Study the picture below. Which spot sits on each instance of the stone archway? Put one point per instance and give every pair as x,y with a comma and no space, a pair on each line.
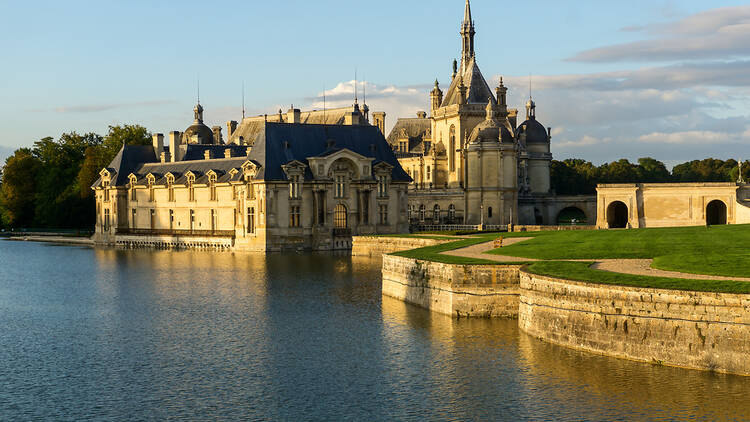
571,216
716,213
617,215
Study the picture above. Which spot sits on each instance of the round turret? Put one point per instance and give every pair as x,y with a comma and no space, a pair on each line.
204,133
490,130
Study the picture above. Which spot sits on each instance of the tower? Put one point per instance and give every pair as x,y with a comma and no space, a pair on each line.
436,97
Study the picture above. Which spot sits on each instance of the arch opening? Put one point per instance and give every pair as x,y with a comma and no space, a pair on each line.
617,215
716,213
572,216
339,216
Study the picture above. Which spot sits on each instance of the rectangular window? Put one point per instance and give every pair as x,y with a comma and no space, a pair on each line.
132,194
106,219
191,193
213,220
150,192
234,192
294,216
383,214
105,186
171,219
366,208
251,220
295,190
213,191
192,219
153,219
340,190
133,224
171,193
382,186
250,191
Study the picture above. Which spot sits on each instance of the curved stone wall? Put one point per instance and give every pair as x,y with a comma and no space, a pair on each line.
709,331
458,290
378,245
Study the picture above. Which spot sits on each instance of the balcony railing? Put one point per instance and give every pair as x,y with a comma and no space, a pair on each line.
168,232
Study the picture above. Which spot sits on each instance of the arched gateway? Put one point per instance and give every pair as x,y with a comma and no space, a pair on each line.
617,215
716,213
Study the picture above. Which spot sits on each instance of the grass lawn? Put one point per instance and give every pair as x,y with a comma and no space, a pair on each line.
720,250
432,253
581,271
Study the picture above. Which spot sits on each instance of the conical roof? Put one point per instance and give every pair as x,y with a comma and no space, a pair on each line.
477,90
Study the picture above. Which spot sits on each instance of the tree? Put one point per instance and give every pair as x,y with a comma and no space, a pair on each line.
652,171
18,190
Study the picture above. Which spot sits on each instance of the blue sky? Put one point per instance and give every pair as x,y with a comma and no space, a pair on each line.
614,79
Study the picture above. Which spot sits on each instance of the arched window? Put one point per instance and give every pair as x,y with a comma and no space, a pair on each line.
421,212
489,212
170,187
339,216
452,148
191,189
151,180
436,213
451,213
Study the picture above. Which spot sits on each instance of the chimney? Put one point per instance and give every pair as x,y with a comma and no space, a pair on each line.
228,153
231,127
158,142
421,115
208,154
379,120
293,115
217,135
174,146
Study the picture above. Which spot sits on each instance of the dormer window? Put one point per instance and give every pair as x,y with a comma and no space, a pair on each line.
150,188
382,186
295,186
170,187
191,188
212,186
105,187
133,181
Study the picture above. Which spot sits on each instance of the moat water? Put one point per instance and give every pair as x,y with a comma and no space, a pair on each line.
101,334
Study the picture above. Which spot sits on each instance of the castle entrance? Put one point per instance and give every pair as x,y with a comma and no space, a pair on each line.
716,213
617,215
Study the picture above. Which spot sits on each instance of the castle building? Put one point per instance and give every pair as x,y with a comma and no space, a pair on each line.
471,162
294,185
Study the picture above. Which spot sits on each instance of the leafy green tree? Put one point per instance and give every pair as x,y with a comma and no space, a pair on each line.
19,187
652,171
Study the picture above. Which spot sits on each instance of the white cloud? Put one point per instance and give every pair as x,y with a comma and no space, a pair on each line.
586,140
688,137
95,108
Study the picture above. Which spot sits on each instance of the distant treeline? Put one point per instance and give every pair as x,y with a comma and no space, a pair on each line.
49,185
575,176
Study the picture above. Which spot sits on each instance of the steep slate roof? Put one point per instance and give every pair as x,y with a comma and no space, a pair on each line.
416,130
279,144
128,159
199,167
477,90
251,127
197,151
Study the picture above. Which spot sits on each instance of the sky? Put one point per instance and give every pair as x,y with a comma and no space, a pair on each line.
665,79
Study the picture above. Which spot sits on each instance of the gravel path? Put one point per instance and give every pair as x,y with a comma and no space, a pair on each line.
624,266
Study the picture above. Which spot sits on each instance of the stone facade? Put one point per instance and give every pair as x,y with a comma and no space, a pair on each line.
471,162
457,290
298,187
708,331
641,205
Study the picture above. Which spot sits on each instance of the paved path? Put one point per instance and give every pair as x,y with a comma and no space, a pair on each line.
624,266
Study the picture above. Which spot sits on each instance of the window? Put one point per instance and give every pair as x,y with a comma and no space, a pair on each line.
214,223
436,213
106,219
295,189
151,190
250,191
365,208
132,193
212,186
294,215
383,186
340,191
421,212
339,216
153,219
192,219
170,188
234,192
429,178
171,219
105,186
402,146
251,220
191,189
451,213
383,214
489,212
427,145
134,220
452,149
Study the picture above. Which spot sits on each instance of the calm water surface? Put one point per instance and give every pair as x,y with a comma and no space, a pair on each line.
98,334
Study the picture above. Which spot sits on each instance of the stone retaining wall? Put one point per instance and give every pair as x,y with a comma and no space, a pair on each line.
174,242
458,290
698,330
378,245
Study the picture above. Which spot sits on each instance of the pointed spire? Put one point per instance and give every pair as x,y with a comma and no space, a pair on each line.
467,13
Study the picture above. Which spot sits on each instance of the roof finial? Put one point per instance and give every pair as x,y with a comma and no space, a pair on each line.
467,13
243,100
355,85
199,88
